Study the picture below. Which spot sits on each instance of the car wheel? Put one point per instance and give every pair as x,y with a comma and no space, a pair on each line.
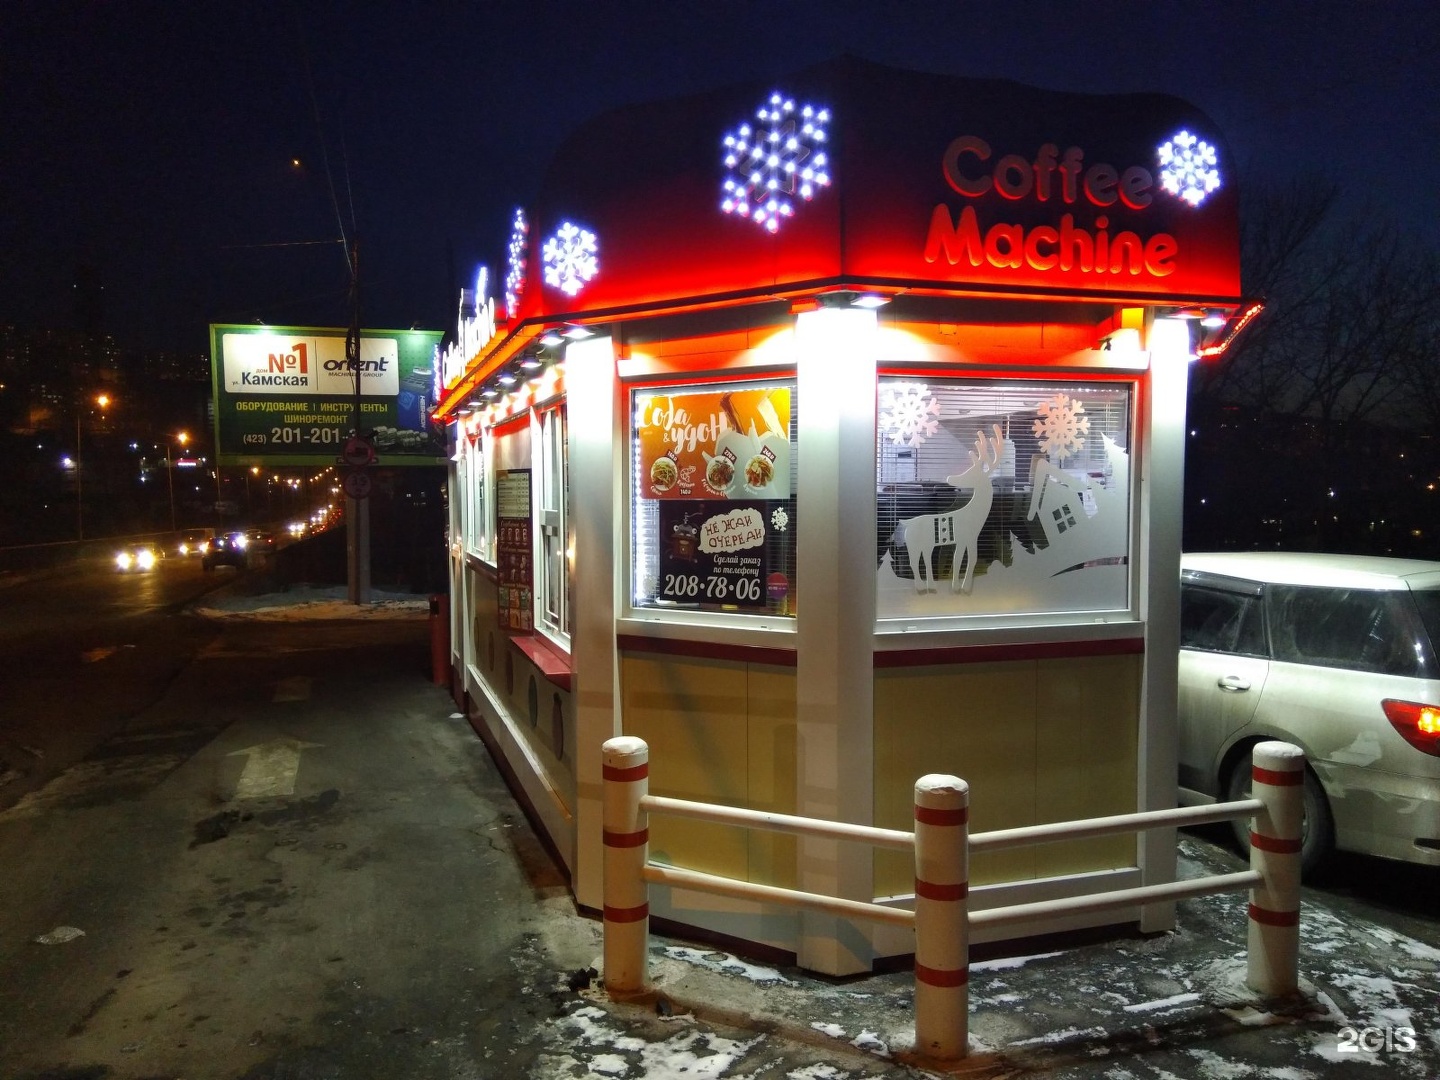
1317,830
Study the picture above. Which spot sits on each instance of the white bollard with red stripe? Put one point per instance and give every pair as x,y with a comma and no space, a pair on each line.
625,770
942,929
1278,781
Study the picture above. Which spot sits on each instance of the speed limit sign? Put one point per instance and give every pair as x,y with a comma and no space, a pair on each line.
357,483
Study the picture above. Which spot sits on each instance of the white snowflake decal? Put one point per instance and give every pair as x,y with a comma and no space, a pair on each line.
908,413
779,519
1061,427
515,260
571,258
1188,168
782,155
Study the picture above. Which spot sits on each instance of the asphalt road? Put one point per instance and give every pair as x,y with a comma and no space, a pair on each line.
84,649
293,860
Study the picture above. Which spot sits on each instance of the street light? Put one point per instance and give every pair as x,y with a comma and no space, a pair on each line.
182,438
249,504
102,400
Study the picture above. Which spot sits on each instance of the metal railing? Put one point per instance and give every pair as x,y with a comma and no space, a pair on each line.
941,845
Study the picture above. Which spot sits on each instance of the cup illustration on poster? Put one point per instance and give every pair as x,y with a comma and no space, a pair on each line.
732,444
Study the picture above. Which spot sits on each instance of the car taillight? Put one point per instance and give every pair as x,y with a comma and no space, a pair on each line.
1418,724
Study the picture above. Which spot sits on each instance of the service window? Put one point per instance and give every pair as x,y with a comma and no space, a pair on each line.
1001,497
712,497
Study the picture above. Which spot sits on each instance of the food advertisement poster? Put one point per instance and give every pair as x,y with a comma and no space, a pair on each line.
713,553
730,444
513,552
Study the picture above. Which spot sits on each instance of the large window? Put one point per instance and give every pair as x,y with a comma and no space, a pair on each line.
1001,497
470,476
553,521
712,484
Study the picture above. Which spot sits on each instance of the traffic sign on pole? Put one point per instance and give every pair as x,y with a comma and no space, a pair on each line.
357,483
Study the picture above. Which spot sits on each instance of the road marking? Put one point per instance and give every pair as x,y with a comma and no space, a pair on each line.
271,768
93,656
295,688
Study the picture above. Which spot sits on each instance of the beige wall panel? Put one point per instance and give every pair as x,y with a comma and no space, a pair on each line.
771,702
693,714
1088,719
977,722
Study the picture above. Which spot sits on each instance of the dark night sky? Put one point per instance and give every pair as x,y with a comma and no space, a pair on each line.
153,141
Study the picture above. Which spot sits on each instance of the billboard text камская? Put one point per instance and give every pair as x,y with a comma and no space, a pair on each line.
285,395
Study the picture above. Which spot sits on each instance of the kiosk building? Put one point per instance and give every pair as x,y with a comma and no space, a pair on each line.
827,433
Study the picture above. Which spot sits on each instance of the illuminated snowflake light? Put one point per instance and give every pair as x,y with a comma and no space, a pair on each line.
1061,428
519,251
1188,168
908,413
571,258
782,155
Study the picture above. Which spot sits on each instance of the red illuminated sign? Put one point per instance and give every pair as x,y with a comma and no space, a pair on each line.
936,184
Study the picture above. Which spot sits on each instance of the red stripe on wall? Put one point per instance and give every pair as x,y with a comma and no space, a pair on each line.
1026,650
710,650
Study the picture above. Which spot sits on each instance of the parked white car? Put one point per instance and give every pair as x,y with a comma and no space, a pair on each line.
1337,654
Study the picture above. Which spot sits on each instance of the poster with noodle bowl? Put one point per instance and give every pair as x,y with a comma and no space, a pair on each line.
715,444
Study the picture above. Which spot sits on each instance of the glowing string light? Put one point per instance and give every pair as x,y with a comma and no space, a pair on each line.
782,155
1188,168
519,251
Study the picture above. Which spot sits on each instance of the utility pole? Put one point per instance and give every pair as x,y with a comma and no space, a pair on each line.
357,503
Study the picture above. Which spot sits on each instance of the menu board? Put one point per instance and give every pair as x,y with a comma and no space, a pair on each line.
513,551
715,444
713,553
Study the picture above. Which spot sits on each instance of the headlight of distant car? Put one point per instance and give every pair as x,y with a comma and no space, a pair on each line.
136,559
239,540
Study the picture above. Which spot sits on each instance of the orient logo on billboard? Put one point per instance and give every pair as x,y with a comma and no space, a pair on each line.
268,364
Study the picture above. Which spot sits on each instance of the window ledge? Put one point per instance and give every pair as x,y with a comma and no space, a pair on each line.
553,662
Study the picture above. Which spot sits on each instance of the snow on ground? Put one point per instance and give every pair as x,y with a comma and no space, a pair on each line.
727,964
304,602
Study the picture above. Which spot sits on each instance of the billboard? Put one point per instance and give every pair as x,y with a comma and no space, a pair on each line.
285,395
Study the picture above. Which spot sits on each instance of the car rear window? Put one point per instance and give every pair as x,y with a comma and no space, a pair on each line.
1427,601
1357,629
